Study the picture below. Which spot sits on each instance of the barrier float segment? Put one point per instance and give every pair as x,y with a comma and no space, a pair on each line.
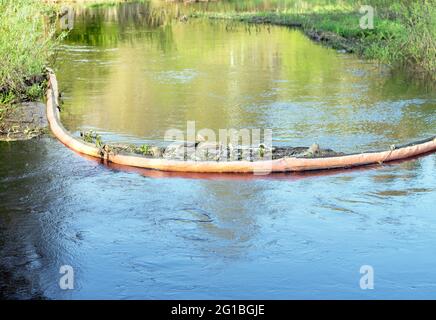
287,164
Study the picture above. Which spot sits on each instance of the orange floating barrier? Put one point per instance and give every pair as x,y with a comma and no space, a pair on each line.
287,164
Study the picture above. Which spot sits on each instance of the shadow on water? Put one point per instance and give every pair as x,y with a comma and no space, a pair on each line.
26,196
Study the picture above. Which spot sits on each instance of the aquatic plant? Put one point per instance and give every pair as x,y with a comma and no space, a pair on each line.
92,137
261,150
144,149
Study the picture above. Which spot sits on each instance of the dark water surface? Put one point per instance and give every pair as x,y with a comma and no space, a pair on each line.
145,234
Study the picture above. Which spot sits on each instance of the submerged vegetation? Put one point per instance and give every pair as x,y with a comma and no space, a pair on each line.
404,32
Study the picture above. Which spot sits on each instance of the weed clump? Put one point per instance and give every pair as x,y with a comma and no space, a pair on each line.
27,43
92,137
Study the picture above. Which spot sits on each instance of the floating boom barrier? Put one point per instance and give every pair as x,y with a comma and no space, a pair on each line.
285,164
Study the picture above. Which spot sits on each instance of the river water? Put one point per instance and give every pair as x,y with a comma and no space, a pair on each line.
130,73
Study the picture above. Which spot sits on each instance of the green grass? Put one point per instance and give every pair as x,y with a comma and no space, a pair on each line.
414,44
404,33
27,43
106,4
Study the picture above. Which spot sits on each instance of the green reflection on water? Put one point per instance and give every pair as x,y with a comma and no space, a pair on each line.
134,71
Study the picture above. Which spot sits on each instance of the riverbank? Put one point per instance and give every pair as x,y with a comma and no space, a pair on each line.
23,121
403,36
24,59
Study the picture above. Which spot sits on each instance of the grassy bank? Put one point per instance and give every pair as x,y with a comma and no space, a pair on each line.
27,42
404,33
